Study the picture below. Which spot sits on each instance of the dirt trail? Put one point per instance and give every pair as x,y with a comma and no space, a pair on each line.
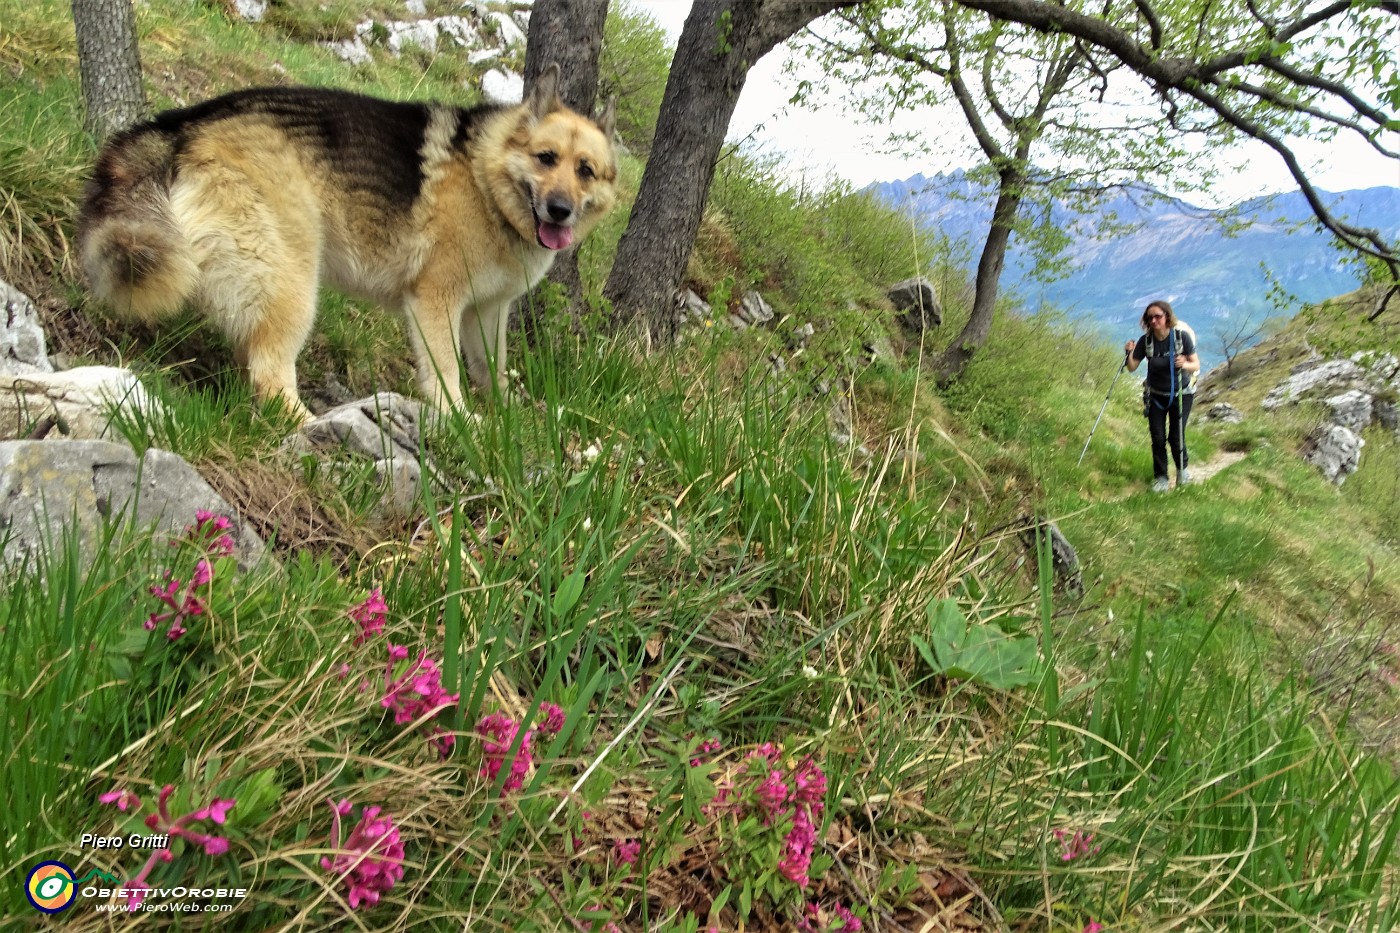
1200,472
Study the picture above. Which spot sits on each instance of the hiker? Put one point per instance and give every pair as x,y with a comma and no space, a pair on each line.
1172,364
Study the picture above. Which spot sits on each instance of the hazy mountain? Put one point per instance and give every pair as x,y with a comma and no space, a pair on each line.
1176,251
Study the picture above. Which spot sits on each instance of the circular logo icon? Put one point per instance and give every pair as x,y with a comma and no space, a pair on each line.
51,887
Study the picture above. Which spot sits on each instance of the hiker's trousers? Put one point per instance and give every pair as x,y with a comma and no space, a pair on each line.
1168,426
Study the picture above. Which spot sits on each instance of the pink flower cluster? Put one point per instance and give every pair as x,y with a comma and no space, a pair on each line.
418,693
781,797
182,599
813,921
414,693
1074,845
500,732
370,616
371,860
1094,927
177,827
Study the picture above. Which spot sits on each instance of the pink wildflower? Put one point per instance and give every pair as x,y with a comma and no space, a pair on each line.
211,532
418,694
123,798
850,923
626,851
370,616
174,826
809,785
216,811
552,719
772,793
769,752
704,752
1093,927
797,849
501,731
1075,845
371,860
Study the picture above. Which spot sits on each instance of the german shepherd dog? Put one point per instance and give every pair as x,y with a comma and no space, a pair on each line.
247,203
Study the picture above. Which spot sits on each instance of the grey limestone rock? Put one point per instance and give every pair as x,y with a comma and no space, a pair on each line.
386,429
22,347
52,488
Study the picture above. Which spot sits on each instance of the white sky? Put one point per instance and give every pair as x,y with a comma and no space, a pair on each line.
819,144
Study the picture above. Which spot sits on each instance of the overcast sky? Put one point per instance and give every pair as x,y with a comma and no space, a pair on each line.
829,142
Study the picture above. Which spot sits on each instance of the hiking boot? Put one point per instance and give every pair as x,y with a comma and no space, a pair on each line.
1183,477
1161,484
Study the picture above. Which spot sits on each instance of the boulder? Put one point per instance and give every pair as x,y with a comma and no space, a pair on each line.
916,304
385,429
22,349
1335,450
753,311
77,402
1064,559
1224,413
1313,375
1352,409
692,309
49,488
503,87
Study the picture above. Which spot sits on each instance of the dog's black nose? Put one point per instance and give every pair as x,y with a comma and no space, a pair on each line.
558,209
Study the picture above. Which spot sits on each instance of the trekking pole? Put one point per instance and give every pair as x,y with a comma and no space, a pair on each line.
1121,366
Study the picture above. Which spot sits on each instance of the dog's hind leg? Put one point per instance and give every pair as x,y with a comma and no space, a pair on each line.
269,349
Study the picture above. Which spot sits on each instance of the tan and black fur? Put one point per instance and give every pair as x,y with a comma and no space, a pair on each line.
247,203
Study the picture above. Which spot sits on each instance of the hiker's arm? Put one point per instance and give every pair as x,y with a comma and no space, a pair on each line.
1188,363
1132,360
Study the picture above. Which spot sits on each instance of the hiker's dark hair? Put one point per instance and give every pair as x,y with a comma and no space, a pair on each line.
1166,309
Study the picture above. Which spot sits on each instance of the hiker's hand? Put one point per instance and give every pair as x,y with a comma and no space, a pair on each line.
1181,361
1128,347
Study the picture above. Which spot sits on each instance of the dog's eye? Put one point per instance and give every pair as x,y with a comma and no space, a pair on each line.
547,158
585,171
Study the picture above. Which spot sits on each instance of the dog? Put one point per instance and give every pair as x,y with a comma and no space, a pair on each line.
246,204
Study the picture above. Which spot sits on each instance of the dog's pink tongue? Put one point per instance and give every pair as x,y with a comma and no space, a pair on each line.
553,236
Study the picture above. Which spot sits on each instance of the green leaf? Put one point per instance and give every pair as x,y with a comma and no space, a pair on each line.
567,596
979,653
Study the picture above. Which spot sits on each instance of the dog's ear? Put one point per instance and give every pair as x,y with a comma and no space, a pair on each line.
608,121
543,98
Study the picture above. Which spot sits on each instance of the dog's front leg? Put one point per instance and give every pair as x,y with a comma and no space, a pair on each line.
484,345
431,320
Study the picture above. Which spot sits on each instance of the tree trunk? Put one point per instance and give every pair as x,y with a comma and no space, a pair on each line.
720,41
110,65
568,33
951,363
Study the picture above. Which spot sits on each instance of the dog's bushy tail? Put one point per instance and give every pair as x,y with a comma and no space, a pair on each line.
136,258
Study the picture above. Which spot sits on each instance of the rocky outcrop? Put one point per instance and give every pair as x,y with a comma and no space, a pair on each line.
75,403
916,304
1223,413
1357,393
1335,450
53,489
22,345
36,401
486,32
386,430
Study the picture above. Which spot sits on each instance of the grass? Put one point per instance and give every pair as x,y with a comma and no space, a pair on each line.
673,548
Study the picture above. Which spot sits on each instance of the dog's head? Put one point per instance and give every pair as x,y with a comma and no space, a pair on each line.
563,165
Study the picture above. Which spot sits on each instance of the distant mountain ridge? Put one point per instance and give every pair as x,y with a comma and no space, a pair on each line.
1180,252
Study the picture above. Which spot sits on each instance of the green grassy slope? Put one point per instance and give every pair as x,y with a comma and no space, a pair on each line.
675,551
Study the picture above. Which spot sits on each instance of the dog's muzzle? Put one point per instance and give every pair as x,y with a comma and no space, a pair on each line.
554,224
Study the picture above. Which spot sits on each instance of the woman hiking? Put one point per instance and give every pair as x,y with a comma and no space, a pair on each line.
1170,351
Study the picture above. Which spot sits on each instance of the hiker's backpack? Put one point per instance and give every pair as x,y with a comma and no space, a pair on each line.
1181,327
